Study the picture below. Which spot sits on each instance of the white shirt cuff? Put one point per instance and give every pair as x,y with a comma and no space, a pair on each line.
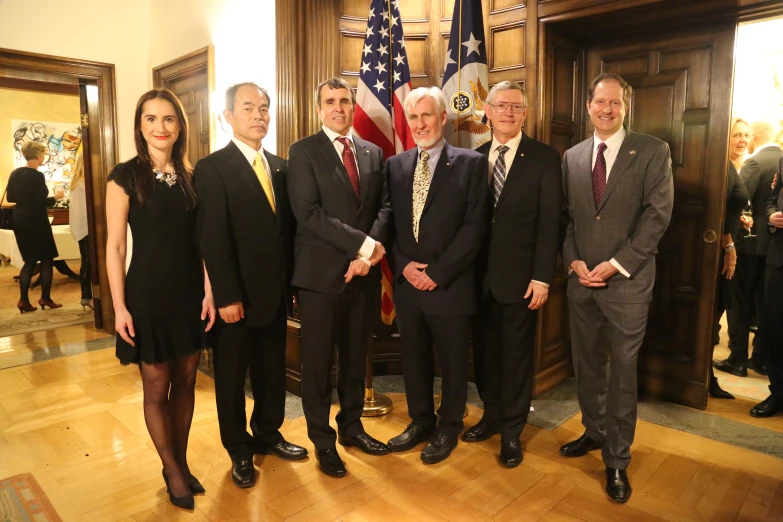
539,282
619,267
368,247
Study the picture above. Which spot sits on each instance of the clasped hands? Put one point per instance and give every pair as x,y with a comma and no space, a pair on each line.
360,267
415,274
595,278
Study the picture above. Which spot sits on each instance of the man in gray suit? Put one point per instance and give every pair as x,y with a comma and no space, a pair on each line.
619,197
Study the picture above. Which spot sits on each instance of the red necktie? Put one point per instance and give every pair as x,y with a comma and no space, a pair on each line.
349,161
599,175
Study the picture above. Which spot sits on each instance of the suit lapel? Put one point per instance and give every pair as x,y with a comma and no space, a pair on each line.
514,173
625,157
334,163
442,169
365,169
240,164
409,159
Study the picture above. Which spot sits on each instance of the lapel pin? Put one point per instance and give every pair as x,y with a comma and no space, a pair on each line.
522,155
632,152
447,164
366,151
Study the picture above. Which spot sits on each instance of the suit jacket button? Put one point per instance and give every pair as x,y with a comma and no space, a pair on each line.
598,218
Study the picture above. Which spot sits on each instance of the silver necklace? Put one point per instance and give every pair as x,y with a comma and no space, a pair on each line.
169,177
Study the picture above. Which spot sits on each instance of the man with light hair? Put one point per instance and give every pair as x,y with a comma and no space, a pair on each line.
748,294
516,267
438,196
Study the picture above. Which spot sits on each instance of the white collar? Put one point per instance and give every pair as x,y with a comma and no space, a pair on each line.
247,151
332,135
613,142
512,144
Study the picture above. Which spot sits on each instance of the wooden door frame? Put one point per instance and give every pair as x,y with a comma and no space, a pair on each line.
544,94
187,65
20,66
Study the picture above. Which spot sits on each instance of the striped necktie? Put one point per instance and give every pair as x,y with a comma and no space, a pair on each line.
499,172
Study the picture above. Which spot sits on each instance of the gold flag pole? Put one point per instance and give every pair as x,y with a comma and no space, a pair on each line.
377,405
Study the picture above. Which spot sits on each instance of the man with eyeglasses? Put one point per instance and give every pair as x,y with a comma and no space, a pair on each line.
516,267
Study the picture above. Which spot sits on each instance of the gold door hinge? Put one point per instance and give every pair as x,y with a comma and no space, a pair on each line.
85,121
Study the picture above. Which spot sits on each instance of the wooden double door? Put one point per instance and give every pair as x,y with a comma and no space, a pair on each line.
681,93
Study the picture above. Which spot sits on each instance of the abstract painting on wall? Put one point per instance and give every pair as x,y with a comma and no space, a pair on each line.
61,141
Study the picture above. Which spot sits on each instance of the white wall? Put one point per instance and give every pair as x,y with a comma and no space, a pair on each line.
99,30
138,35
242,33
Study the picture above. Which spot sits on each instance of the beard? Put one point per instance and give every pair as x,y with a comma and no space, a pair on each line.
429,141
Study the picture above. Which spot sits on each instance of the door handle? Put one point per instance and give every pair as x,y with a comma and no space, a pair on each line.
709,236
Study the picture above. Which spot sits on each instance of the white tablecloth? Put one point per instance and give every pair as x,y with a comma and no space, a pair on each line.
67,246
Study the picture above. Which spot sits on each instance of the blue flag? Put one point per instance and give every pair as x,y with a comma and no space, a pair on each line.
465,79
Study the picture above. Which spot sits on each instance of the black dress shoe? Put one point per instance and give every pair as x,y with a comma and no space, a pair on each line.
283,449
580,447
759,368
481,431
617,486
729,367
365,443
438,449
716,392
510,452
413,435
243,473
330,462
767,408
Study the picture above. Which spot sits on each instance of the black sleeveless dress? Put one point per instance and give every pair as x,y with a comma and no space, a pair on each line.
164,286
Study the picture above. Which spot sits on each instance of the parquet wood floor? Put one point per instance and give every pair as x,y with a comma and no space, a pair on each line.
76,423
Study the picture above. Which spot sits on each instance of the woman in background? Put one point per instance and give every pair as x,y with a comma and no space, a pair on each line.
32,230
738,142
77,217
161,303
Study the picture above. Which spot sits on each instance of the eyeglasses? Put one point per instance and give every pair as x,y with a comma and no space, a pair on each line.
517,108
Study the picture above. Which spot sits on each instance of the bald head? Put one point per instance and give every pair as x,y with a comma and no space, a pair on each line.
763,134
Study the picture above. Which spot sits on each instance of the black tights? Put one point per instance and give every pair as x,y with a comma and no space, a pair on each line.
169,396
26,275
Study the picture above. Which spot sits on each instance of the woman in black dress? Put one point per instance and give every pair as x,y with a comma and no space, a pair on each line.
160,304
736,199
33,233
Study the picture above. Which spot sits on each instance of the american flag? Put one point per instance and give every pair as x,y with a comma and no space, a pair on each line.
384,82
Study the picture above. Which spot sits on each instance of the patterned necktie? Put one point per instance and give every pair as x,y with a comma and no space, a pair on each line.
599,175
263,177
349,161
499,172
421,185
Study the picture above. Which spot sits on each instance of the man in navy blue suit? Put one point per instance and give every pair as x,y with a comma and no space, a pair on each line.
438,197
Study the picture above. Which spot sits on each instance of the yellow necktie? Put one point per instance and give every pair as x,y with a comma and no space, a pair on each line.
263,177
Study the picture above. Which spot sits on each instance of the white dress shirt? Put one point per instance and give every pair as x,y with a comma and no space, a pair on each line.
250,155
368,247
511,153
613,144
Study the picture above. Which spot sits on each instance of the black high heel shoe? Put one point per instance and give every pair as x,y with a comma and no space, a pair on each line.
193,484
184,502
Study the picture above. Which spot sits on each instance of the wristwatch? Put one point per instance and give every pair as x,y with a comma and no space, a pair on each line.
728,247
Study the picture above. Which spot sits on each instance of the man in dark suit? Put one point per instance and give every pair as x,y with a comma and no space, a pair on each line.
517,266
619,197
748,288
439,196
336,187
245,231
773,404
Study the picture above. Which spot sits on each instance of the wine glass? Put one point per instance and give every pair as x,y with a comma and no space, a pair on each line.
749,214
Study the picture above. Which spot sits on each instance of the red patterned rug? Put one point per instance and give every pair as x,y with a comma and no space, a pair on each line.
23,500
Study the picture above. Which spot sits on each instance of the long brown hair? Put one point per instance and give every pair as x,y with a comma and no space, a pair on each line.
144,177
